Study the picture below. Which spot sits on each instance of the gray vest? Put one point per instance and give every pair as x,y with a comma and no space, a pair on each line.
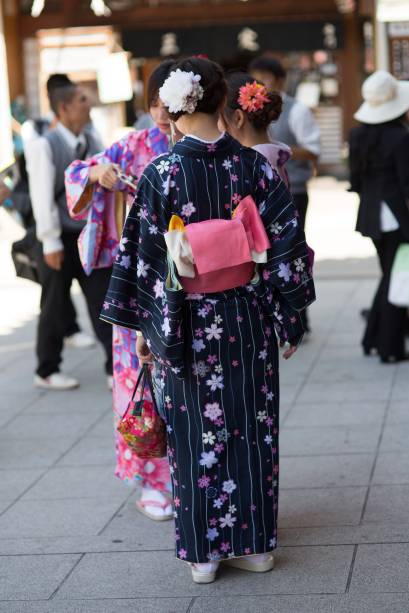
63,156
299,172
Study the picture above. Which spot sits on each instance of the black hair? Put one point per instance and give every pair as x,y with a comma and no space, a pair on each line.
156,80
268,64
212,80
60,89
260,119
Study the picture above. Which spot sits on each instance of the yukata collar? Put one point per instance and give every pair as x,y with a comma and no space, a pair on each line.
191,146
157,141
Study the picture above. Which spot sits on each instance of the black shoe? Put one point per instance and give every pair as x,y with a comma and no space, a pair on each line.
392,359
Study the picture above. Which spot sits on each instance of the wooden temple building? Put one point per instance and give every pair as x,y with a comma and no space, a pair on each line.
327,46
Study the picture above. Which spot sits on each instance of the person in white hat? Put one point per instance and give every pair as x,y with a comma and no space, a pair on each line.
379,168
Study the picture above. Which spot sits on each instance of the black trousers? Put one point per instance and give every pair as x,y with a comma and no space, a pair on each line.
301,204
70,318
386,325
56,306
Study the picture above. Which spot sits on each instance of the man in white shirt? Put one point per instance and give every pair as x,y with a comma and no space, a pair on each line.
58,263
32,129
297,128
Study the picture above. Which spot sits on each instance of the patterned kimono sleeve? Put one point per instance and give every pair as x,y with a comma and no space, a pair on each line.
287,274
77,177
139,297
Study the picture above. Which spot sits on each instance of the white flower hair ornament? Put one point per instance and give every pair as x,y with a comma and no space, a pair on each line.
181,91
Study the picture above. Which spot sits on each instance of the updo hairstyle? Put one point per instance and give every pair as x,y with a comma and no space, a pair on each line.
260,119
212,80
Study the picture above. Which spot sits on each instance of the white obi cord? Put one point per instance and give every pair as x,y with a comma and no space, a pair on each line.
181,252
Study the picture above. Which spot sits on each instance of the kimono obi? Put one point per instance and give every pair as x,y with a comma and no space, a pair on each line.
218,254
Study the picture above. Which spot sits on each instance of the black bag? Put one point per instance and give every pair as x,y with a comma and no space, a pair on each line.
23,256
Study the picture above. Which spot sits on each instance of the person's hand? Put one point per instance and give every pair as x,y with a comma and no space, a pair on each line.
142,351
289,352
4,192
55,259
104,174
300,154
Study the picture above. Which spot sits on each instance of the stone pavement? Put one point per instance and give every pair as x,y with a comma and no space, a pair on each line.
71,540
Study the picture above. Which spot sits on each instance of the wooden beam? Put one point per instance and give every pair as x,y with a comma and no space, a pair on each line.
367,8
180,15
13,42
70,8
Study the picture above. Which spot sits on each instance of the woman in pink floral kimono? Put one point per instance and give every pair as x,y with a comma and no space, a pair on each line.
95,193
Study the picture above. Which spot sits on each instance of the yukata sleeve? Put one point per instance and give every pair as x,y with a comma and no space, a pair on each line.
140,296
80,193
287,274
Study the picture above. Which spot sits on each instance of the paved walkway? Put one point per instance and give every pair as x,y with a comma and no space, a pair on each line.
72,542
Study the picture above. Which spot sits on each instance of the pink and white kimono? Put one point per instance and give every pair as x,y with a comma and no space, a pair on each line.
98,246
278,155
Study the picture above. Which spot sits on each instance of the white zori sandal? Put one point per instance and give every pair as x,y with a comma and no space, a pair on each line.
155,505
204,573
258,563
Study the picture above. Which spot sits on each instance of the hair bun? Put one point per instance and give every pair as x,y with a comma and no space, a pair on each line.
275,106
260,118
212,82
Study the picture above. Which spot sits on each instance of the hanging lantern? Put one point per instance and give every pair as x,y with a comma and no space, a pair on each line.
346,6
100,8
97,6
37,8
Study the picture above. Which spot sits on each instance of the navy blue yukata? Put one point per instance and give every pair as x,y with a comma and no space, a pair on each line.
218,372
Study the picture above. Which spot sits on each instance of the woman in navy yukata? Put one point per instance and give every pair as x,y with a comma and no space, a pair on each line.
217,350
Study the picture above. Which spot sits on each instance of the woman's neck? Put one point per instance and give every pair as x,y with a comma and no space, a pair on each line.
201,125
252,137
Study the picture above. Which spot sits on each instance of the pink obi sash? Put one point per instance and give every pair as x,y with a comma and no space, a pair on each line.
220,280
218,254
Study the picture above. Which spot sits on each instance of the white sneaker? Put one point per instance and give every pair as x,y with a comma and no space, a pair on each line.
79,340
110,382
56,381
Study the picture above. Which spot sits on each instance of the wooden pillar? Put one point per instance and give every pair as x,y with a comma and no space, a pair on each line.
11,22
6,142
352,72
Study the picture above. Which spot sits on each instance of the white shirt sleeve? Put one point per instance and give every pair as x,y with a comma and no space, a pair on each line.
41,176
305,128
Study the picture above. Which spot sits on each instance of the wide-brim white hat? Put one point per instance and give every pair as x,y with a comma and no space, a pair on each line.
385,98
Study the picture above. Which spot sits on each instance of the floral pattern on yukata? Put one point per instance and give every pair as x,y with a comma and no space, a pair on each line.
99,245
222,411
278,155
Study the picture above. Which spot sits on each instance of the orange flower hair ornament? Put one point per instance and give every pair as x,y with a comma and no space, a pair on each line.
253,97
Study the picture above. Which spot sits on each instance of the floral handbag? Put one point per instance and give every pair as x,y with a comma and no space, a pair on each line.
142,428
